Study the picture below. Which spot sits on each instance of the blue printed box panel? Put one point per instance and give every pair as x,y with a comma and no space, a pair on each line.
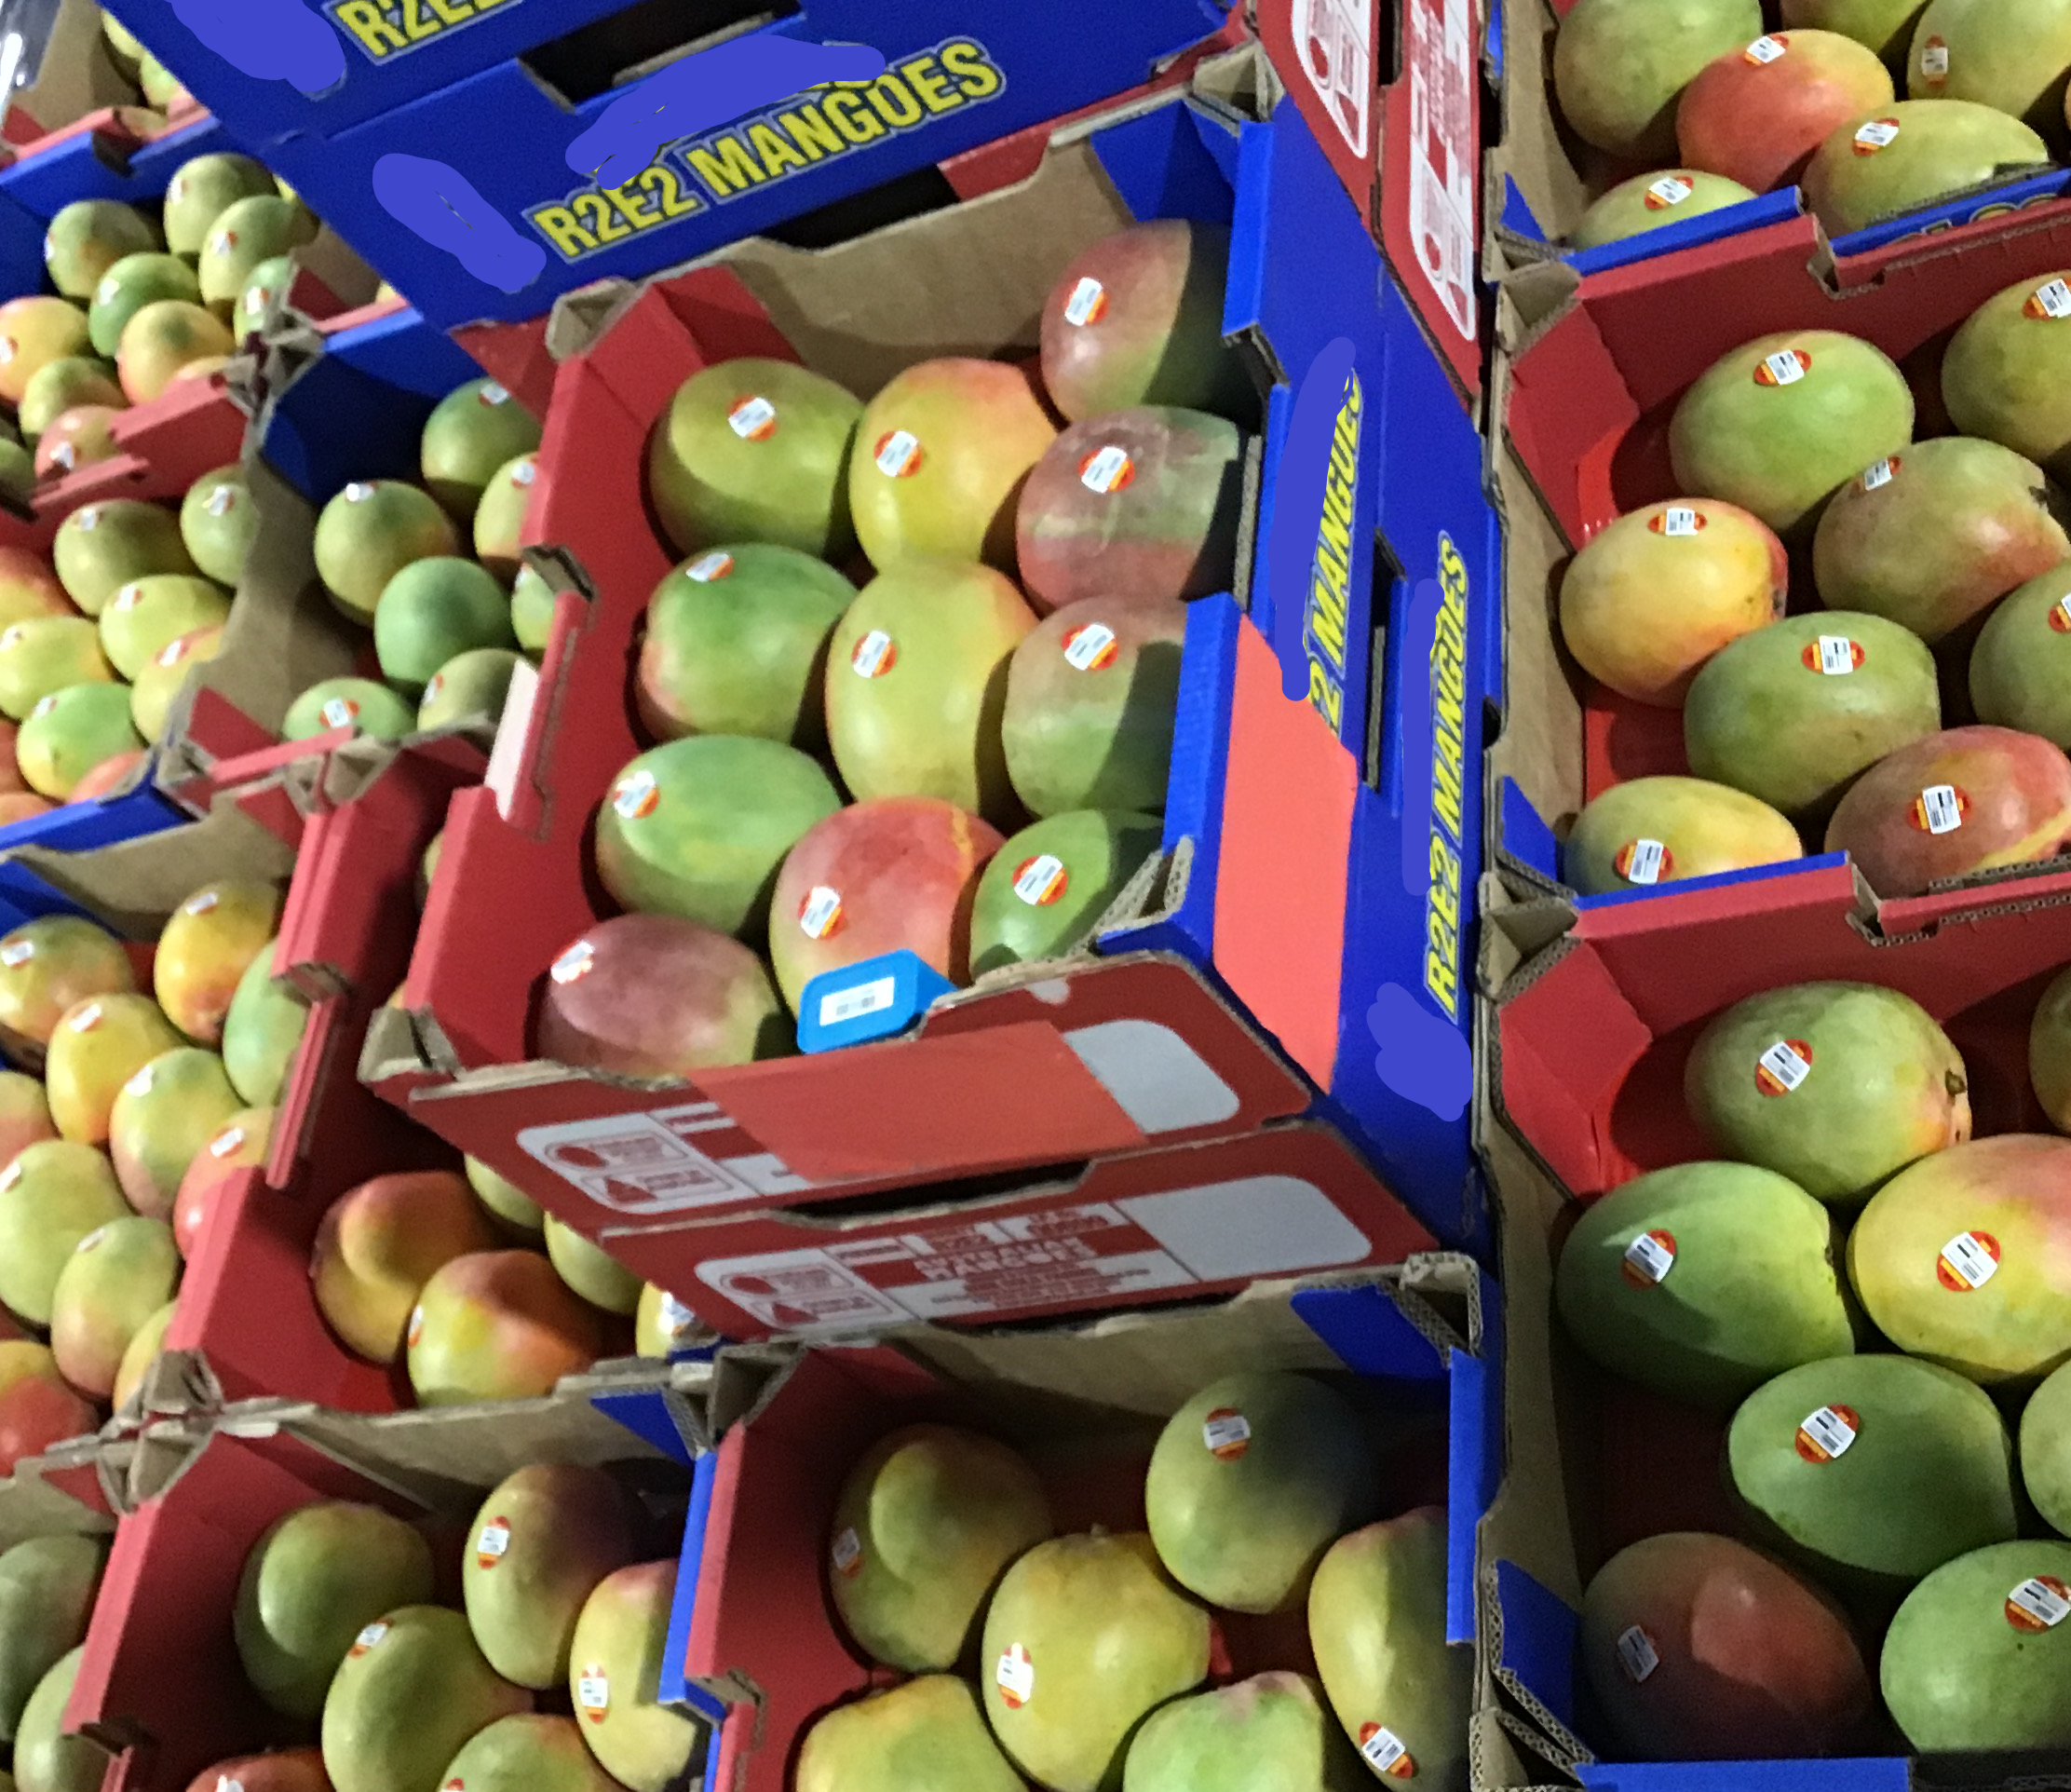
489,199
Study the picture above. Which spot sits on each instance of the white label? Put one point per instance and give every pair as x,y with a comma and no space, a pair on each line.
1440,58
1940,808
106,292
896,453
1088,643
220,501
226,1141
1670,190
1764,50
751,418
1831,1430
1878,477
1783,1062
2053,300
358,492
17,953
1680,519
89,518
128,597
1836,655
1108,468
854,1003
141,1083
494,394
370,1635
1224,1431
1649,1258
201,902
822,909
1934,61
1086,302
1041,881
1879,133
45,704
706,567
573,963
847,1550
1015,1676
1785,368
593,1691
1644,864
1383,1749
63,454
339,711
86,1019
1968,1260
524,473
636,795
493,1539
870,654
2040,1601
676,1318
1637,1655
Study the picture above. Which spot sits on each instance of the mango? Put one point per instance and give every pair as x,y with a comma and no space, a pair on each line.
2050,1051
52,1195
1619,65
281,1770
1652,830
615,1667
754,450
29,585
737,643
201,190
24,1115
369,533
1758,116
45,1757
1782,423
927,1735
498,1326
940,455
89,237
206,947
1897,159
99,1045
101,548
1835,1085
380,1242
1084,1639
697,828
1698,1648
147,614
896,873
1251,1481
433,609
261,1031
1377,1621
46,654
1975,1657
469,689
2022,653
46,1591
48,966
471,432
526,1751
161,339
2003,376
34,331
1793,713
71,731
1951,804
1885,26
38,1407
498,527
248,232
146,1344
61,385
1655,594
504,1198
2016,62
162,1119
242,1142
542,1541
218,524
531,618
412,1688
358,703
115,1279
1958,1259
75,438
1272,1731
590,1271
663,1325
926,1523
1653,201
314,1581
2044,1451
129,285
1049,886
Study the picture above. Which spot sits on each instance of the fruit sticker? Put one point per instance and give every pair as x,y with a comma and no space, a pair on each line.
1106,470
358,492
220,501
1226,1433
1783,1066
141,1083
223,242
84,1020
1766,50
1643,862
45,704
226,1141
578,962
2053,301
1940,808
898,454
1833,656
11,636
416,1328
1637,1656
438,684
1934,61
1968,1261
173,652
10,1175
368,1637
874,656
1826,1434
491,394
1878,133
17,953
1874,479
1089,648
821,912
2042,1603
1086,303
1041,881
63,456
92,1241
1786,367
339,713
524,473
2059,617
89,518
1679,521
1648,1259
1386,1752
1670,190
636,795
752,419
493,1543
706,567
1014,1674
676,1318
847,1553
593,1692
106,292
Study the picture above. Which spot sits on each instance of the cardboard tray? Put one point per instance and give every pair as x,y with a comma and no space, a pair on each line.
756,1645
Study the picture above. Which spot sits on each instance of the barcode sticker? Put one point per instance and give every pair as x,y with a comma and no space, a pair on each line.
1014,1674
1786,1065
1226,1433
2043,1603
1786,368
1838,656
854,1003
2053,300
1644,860
1764,50
1941,811
1651,1256
1636,1654
1087,301
1827,1433
1968,1261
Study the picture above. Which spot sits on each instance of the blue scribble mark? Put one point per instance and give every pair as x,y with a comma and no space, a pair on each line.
269,40
1298,506
1423,1058
1413,729
697,93
440,204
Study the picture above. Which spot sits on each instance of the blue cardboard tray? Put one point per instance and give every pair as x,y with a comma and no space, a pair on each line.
75,827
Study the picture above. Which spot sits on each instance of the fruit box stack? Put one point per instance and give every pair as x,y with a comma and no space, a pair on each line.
1884,120
1324,918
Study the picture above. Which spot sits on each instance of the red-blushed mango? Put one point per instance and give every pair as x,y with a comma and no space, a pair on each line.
47,1756
1792,713
89,237
47,1592
29,586
282,1769
1756,113
261,1031
1702,1281
526,1751
1699,1647
205,948
657,996
540,1543
1782,423
51,1196
1654,831
1885,26
101,548
115,1279
926,1523
109,773
1655,594
2044,1451
2050,1051
148,614
1084,1639
2015,60
1137,319
1899,157
1835,1085
1142,503
369,532
737,643
24,1115
96,1048
163,1118
34,333
164,336
498,1326
1936,535
1653,201
139,1354
69,733
1962,801
379,1243
504,1201
241,1142
2007,374
409,1694
1050,883
1092,692
590,1270
916,684
898,874
75,438
1962,1259
1252,1480
1619,65
498,529
24,805
46,654
615,1666
476,428
940,455
48,966
927,1735
755,450
317,1577
1273,1731
2021,665
11,782
38,1407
